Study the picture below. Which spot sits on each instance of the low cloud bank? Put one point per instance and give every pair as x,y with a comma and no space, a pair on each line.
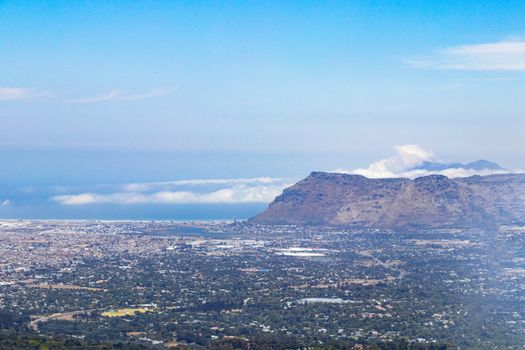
167,185
211,191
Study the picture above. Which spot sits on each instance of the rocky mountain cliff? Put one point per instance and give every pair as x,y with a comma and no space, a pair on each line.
429,201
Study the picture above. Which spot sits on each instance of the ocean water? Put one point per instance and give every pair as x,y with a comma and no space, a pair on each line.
49,211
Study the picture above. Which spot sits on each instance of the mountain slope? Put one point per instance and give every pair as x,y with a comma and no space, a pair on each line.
430,201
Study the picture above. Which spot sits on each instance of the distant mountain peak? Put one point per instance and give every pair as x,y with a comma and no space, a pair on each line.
478,165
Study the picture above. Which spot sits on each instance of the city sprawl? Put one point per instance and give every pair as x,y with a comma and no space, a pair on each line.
168,284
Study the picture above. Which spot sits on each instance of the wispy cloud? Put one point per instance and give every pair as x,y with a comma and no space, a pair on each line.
244,190
116,95
449,87
496,56
16,93
166,185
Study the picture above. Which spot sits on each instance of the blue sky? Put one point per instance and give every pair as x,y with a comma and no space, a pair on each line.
120,92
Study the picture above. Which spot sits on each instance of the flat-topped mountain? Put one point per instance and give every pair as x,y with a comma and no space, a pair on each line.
429,201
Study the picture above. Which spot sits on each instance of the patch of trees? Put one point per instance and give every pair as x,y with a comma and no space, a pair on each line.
282,342
12,341
10,320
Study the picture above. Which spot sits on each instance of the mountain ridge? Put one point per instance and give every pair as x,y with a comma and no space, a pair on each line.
431,201
477,165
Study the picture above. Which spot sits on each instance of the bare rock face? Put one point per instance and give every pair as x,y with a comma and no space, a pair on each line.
429,201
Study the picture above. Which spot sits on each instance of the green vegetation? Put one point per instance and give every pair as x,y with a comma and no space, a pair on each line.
13,341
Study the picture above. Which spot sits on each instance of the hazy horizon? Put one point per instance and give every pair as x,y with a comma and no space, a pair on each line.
97,98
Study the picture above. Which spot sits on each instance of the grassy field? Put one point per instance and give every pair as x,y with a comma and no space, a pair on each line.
125,312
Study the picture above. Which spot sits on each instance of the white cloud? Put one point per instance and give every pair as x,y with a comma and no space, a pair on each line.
13,93
405,162
116,95
6,203
151,186
496,56
193,191
260,194
407,157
